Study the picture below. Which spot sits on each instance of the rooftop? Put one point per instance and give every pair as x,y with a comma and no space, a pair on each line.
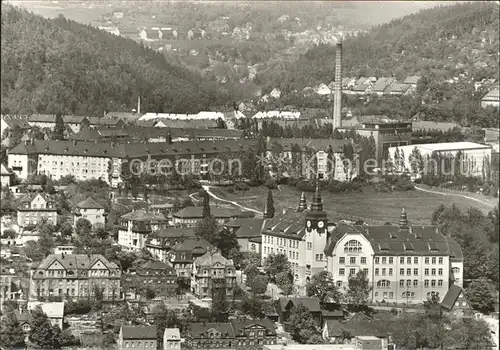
247,227
139,332
89,203
143,215
450,146
197,212
76,261
51,309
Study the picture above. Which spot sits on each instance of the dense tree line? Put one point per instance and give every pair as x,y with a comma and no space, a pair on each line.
58,65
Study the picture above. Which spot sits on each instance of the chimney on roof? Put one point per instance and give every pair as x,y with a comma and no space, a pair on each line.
302,203
337,93
403,220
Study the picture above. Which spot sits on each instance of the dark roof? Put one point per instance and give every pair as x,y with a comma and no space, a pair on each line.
382,84
196,330
197,212
155,265
89,203
360,327
239,325
428,125
76,261
139,332
24,317
143,215
397,87
451,297
190,244
316,144
174,232
289,224
13,122
255,239
51,118
456,254
312,304
29,197
247,227
412,79
173,123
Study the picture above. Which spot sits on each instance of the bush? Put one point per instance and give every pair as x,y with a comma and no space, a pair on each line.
9,233
271,184
403,185
241,186
418,181
80,307
305,186
254,183
230,189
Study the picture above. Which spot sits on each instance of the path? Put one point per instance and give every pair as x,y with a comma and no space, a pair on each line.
489,205
207,189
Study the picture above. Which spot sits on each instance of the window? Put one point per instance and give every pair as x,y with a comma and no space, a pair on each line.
426,272
383,272
440,272
341,272
391,295
339,284
441,261
376,272
433,272
365,271
390,272
363,260
433,260
352,272
455,270
408,283
415,283
377,260
415,272
391,260
408,272
426,260
401,283
401,260
433,283
402,272
408,295
426,283
415,260
440,283
342,260
383,284
408,260
384,260
353,246
352,260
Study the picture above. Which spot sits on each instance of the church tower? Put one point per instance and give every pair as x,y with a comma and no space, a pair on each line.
302,203
316,218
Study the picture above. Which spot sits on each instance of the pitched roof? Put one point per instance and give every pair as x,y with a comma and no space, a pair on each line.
288,224
51,118
139,332
247,227
171,334
197,212
51,309
213,257
24,317
316,144
428,125
241,324
155,265
3,170
312,304
76,261
451,297
493,94
360,327
17,122
174,232
412,79
456,254
397,87
191,244
197,330
144,215
382,84
89,203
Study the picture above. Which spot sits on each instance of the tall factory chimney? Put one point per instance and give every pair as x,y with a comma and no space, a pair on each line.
337,96
139,105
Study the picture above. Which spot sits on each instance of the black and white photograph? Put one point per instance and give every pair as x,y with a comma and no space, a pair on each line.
249,175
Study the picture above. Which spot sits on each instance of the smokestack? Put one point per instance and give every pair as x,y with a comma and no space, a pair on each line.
139,105
337,96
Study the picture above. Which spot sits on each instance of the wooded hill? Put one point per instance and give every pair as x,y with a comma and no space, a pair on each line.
440,42
58,65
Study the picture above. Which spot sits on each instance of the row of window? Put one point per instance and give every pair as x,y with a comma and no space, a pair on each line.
352,260
138,344
414,283
291,243
291,254
408,260
352,272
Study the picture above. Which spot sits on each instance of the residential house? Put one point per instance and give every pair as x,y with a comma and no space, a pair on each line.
398,89
213,273
10,123
64,249
171,339
412,80
287,115
155,275
75,276
24,319
404,263
275,93
183,255
49,121
137,337
347,83
136,226
491,99
53,310
190,216
360,89
456,304
90,210
245,229
36,207
381,85
285,306
253,334
322,89
5,176
10,286
160,242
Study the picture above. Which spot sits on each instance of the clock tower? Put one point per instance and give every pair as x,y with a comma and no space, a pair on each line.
316,219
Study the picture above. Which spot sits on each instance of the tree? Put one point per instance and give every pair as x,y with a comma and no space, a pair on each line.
468,334
41,332
275,264
270,204
227,242
251,271
359,289
323,287
206,204
150,293
253,306
12,333
49,186
59,127
83,226
480,296
219,304
66,338
207,228
165,318
258,284
302,325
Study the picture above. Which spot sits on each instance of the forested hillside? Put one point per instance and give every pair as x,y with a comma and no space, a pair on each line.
440,42
57,65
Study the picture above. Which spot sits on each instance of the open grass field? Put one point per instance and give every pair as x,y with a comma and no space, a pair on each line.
371,206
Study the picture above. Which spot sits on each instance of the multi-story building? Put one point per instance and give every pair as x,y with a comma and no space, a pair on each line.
183,255
211,273
172,339
404,263
53,310
156,275
10,286
137,337
160,242
72,121
301,235
36,207
237,334
491,99
190,216
75,276
136,226
5,176
90,210
247,230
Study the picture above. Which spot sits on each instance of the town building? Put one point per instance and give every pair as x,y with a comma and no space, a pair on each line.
246,231
158,276
212,273
404,263
137,337
12,122
456,304
136,226
5,176
183,255
75,276
24,319
171,339
35,207
53,310
64,249
160,242
285,306
10,286
491,99
386,132
90,210
311,158
476,158
74,122
190,216
301,235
